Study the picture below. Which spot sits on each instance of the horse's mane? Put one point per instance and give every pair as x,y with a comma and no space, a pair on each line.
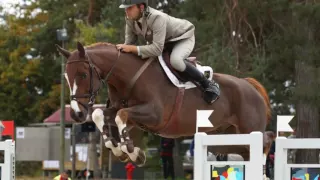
99,44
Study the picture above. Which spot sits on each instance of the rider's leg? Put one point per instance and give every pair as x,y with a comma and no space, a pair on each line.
180,52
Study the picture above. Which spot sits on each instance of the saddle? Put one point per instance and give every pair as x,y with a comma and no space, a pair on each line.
166,57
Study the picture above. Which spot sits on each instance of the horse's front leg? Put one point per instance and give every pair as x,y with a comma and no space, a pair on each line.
110,142
146,114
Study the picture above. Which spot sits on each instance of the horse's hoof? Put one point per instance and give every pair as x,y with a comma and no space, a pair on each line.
124,157
130,147
141,159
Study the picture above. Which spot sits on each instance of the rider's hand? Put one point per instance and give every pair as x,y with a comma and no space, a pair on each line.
125,48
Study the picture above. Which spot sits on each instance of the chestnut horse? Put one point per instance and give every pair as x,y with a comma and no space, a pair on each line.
141,95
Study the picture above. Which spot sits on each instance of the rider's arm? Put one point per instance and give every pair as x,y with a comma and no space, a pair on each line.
130,37
159,34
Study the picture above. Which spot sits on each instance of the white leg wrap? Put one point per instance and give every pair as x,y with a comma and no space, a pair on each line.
98,119
133,156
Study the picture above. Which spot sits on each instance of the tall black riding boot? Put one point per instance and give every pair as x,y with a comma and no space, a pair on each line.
210,88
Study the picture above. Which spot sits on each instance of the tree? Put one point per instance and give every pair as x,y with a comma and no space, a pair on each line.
306,21
273,41
29,73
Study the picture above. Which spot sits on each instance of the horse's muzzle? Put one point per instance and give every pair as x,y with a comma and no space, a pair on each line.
77,116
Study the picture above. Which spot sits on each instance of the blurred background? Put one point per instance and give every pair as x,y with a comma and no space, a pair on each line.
274,41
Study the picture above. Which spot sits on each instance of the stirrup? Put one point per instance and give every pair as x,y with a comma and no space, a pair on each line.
213,83
211,93
210,97
214,87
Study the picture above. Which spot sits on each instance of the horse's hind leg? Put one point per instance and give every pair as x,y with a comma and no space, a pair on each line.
110,142
268,138
143,114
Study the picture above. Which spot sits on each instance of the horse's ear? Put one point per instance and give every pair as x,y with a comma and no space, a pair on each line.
64,52
81,50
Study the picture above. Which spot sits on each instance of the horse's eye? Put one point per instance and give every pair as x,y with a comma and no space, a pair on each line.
82,75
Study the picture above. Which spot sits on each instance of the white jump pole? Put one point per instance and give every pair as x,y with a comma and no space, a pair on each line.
8,167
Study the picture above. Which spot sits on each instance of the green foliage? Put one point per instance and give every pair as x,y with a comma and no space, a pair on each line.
21,168
29,71
90,35
271,35
263,39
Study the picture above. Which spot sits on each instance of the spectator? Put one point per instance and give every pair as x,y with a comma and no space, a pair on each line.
63,176
166,154
191,148
83,174
270,161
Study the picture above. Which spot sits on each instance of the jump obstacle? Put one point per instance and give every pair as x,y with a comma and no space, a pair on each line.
253,168
282,168
7,162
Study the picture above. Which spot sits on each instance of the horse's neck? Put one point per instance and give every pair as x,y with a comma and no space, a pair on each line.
124,66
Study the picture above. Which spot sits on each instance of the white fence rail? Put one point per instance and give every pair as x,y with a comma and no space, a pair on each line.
282,168
253,168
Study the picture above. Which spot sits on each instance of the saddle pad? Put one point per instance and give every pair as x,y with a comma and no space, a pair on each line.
175,81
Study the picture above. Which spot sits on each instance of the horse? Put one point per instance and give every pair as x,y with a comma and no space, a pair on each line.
140,94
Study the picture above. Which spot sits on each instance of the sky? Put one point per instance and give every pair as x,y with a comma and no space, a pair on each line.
8,8
7,4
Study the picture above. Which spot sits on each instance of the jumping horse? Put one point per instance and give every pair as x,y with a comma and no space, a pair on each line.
141,95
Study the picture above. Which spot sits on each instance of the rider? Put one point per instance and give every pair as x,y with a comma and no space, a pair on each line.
159,28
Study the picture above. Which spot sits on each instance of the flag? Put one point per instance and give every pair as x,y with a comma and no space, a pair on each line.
203,118
283,124
8,129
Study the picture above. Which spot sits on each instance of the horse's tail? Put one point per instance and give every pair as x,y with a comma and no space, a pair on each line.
263,93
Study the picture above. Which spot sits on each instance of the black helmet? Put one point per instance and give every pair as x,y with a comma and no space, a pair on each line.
128,3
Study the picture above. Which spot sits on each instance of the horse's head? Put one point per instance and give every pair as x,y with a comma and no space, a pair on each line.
83,79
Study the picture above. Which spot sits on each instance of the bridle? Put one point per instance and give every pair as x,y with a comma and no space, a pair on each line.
92,93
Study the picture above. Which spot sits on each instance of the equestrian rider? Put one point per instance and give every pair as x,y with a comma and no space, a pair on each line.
159,28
